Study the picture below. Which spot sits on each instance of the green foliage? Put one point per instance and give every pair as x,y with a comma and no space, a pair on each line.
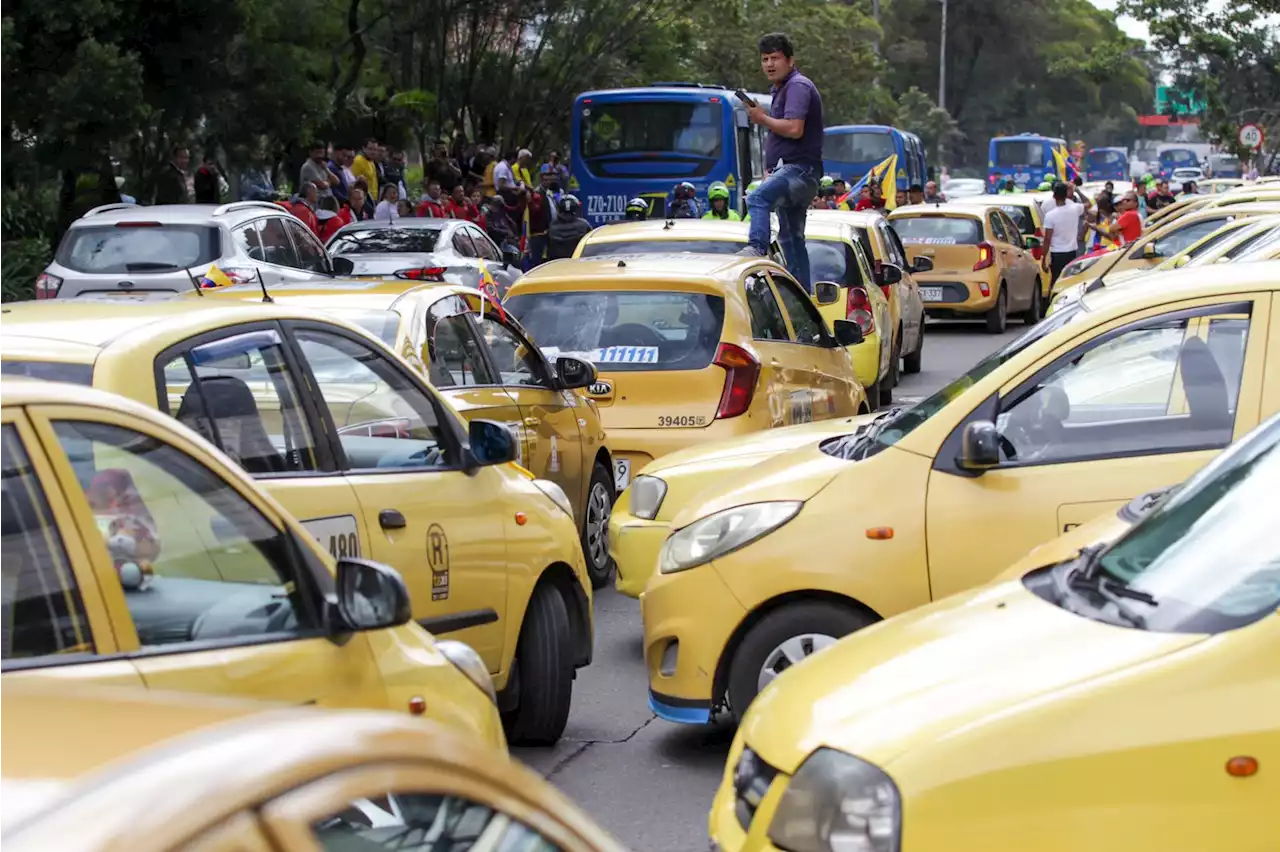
933,124
21,262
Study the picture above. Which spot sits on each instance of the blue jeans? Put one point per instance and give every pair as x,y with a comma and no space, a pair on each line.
788,191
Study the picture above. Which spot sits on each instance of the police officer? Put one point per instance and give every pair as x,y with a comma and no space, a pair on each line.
637,209
567,230
718,199
683,204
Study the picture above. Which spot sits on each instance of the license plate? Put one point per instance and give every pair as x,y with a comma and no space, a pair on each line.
621,473
931,294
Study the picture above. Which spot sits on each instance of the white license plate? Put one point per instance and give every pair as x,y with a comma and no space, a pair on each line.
621,473
931,294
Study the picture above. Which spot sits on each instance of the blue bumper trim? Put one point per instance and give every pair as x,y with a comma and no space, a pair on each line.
682,715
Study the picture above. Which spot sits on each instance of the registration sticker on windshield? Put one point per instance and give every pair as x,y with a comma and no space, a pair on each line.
626,355
929,241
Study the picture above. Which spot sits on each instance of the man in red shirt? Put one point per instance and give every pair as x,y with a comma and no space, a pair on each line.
1128,225
432,205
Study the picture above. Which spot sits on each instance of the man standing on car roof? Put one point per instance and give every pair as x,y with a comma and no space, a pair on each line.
793,153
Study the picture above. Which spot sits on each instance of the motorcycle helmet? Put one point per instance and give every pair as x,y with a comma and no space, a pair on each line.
718,190
827,181
570,205
1045,185
753,186
637,208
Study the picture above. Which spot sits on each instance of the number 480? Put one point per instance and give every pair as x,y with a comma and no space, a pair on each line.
344,545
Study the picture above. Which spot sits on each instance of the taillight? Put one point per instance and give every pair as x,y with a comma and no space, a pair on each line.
47,286
858,309
741,374
986,256
426,273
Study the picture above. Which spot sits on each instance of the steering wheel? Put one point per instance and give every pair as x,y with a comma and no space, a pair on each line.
1036,424
634,334
246,613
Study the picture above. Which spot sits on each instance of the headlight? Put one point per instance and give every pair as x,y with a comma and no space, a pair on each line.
1075,267
556,493
723,532
647,494
466,660
838,803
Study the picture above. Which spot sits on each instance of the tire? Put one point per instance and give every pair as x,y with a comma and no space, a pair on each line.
595,526
998,317
1031,315
764,641
911,362
873,395
544,666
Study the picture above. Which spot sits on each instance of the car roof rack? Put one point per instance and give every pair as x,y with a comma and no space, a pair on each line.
681,85
104,208
224,209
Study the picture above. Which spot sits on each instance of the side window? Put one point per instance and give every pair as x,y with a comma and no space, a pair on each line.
1180,238
1155,387
196,561
384,420
425,821
484,246
455,354
238,393
43,612
517,359
277,248
246,236
997,227
893,246
1011,230
462,243
805,319
310,253
766,316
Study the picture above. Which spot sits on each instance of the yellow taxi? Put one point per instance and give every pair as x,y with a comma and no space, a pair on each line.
690,348
668,236
480,359
1246,194
1126,694
1025,211
136,554
1217,186
366,455
96,769
982,265
1123,392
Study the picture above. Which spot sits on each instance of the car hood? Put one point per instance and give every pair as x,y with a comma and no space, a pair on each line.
934,672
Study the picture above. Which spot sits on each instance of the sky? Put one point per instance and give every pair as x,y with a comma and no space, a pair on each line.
1131,27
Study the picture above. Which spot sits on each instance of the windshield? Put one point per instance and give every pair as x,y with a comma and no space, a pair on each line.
1257,244
677,127
1012,153
938,230
1209,557
1179,157
381,324
614,248
138,249
1105,158
385,241
857,147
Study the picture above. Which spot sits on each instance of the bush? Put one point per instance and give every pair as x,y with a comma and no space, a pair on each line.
21,262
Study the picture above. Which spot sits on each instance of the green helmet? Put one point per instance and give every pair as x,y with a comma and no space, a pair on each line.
718,190
753,186
828,180
1148,178
1045,185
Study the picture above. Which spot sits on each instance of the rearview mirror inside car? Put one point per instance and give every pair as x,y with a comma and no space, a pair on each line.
979,447
575,373
826,293
371,595
848,333
343,266
491,443
922,264
890,273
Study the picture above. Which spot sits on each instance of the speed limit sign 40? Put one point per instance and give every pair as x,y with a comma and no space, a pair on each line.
1251,136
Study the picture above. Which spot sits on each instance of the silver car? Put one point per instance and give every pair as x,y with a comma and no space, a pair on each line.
128,249
449,250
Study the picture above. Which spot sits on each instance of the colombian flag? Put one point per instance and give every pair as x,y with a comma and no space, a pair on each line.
489,292
214,279
1067,170
882,173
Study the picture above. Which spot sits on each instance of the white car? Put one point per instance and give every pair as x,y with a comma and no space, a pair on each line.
963,187
1181,176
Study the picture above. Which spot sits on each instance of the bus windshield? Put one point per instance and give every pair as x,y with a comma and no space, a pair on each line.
1019,152
633,126
861,147
1179,157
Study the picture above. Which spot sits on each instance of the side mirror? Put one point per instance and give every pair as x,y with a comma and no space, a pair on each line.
371,595
575,373
891,273
1032,242
491,443
343,266
922,264
826,293
848,333
979,447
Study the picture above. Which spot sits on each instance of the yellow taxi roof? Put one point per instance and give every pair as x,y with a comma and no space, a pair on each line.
670,229
857,218
631,272
1188,283
827,229
948,208
377,295
1020,199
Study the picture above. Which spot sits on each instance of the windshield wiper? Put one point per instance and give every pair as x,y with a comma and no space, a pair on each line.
850,447
1081,575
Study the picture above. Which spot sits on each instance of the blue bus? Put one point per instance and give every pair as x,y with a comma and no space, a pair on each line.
850,151
1172,157
1106,164
1026,158
641,142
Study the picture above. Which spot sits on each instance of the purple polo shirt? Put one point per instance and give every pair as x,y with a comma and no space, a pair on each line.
796,97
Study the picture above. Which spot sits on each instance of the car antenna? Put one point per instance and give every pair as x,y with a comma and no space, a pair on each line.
266,297
195,283
671,223
622,264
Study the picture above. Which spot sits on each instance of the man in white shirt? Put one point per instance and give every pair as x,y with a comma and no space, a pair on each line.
504,177
1061,230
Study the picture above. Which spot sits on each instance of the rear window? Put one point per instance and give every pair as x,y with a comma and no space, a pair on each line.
50,371
614,249
863,147
138,250
832,261
1019,153
938,230
621,331
1105,158
386,241
381,324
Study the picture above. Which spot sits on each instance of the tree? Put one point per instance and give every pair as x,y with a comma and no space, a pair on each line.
934,125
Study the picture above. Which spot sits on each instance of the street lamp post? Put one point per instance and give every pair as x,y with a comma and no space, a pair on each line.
942,73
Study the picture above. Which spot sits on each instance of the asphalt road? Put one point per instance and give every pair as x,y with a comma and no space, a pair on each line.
648,782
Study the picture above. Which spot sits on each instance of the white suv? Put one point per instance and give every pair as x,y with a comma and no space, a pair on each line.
126,248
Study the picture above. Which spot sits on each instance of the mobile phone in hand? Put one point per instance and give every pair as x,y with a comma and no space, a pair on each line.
742,96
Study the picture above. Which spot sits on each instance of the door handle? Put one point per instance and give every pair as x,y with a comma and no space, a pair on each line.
391,519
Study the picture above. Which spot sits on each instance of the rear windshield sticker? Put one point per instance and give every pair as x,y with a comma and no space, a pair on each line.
609,355
930,241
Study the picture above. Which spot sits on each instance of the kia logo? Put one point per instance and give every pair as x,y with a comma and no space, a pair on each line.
600,389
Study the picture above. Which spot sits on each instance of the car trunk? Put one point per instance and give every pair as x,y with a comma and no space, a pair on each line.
134,258
948,259
387,265
660,399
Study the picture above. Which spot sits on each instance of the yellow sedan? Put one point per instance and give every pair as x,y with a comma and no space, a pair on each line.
1126,693
136,554
98,770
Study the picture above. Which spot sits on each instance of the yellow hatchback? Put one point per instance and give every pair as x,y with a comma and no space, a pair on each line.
101,770
1121,393
690,348
136,554
1127,693
482,362
366,455
667,236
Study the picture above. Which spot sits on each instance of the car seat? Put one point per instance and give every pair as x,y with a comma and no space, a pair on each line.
1204,386
231,409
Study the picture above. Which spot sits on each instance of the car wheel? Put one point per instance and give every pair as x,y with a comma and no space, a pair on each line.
544,665
781,639
911,362
1031,315
595,527
998,317
872,392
